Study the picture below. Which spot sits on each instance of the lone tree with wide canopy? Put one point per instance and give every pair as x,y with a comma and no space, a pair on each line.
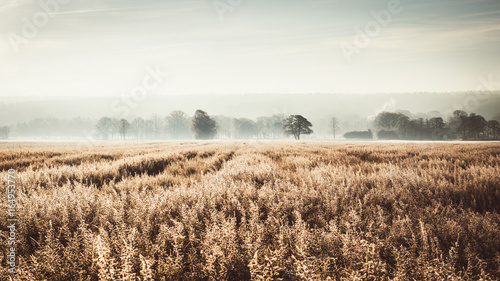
203,126
297,125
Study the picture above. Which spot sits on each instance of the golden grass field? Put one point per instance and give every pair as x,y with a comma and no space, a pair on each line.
254,211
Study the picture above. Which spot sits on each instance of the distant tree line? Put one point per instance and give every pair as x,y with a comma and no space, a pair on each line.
4,132
461,125
179,125
49,127
367,135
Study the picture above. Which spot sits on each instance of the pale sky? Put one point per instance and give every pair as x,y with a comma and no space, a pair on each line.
103,47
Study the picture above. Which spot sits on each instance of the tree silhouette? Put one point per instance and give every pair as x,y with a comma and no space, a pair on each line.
4,132
203,126
137,127
297,125
493,129
359,135
245,128
149,129
457,122
403,126
436,126
270,126
123,127
436,123
177,124
114,127
466,126
334,125
388,120
224,126
476,125
104,127
157,121
277,125
392,125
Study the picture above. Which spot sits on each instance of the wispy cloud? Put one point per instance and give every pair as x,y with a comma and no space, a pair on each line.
8,4
158,47
436,39
277,45
93,11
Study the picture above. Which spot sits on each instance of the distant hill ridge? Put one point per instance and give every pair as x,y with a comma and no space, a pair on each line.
314,106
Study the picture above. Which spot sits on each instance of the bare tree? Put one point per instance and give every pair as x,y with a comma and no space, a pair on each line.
157,125
224,125
271,126
137,127
334,126
123,128
177,124
149,129
104,126
277,125
114,127
4,132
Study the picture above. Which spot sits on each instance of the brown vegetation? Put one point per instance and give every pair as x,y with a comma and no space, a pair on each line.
255,211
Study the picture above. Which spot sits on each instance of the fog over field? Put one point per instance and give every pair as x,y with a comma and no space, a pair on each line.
351,111
67,64
313,105
348,60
